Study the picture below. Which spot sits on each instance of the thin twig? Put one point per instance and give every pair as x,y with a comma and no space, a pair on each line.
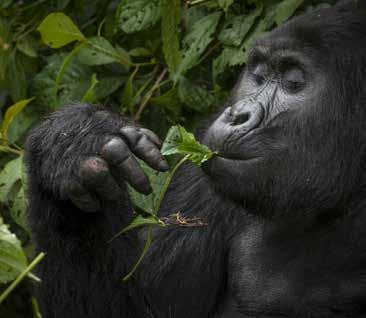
196,2
149,94
16,282
180,220
209,51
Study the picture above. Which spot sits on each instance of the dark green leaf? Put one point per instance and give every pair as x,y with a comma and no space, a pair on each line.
138,15
169,100
179,141
10,115
195,43
98,51
230,56
9,175
170,32
225,4
17,81
140,221
236,28
12,258
90,96
286,9
139,51
148,202
194,96
28,46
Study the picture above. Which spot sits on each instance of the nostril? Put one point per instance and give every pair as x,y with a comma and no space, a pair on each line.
240,118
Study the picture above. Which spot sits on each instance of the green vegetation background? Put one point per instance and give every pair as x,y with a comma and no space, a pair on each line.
161,62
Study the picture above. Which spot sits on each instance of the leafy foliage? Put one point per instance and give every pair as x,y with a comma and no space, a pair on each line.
12,256
160,61
179,141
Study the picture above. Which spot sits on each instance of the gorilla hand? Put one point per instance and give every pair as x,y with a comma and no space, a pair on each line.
85,155
116,164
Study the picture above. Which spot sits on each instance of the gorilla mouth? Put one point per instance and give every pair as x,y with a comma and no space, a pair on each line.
242,147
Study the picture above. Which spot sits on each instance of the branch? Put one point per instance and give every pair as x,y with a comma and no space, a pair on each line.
149,94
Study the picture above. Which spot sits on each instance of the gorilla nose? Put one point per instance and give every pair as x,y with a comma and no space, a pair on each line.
247,115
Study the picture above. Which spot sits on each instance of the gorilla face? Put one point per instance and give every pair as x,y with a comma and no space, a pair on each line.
284,139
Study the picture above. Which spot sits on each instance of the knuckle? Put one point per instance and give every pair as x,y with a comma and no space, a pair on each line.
92,167
115,151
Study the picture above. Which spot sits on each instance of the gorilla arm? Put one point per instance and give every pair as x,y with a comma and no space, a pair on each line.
78,162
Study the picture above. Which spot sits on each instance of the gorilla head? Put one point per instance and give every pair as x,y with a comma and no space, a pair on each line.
293,135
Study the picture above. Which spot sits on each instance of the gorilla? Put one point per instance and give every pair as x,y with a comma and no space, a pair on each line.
284,200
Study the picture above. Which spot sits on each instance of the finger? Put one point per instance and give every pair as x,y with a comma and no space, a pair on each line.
124,165
154,138
81,197
97,177
132,133
145,149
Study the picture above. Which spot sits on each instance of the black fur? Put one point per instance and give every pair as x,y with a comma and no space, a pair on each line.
285,233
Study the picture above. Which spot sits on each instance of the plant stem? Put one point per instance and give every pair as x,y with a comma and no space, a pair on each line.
149,94
11,150
65,64
118,57
16,282
35,307
144,251
196,2
167,183
155,212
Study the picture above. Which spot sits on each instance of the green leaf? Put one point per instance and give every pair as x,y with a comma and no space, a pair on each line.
225,4
5,3
18,209
65,64
169,100
230,56
12,257
139,51
138,15
139,221
128,93
9,175
57,30
179,141
157,179
264,24
236,28
5,47
10,114
170,30
98,51
16,78
107,86
19,204
286,9
20,125
25,272
90,96
194,96
28,46
195,43
74,83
